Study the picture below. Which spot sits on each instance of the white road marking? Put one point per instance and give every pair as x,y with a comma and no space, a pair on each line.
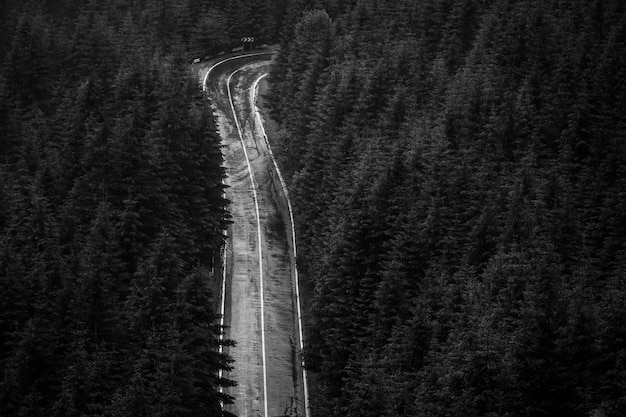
293,238
206,76
255,196
220,373
258,219
224,258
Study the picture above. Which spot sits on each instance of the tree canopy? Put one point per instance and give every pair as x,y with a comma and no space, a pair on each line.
457,171
111,210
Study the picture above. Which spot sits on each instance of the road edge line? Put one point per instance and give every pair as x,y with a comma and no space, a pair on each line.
295,253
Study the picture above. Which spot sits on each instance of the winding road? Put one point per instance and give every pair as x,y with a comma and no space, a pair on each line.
260,297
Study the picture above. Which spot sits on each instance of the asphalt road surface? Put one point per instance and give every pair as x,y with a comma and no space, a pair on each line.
260,307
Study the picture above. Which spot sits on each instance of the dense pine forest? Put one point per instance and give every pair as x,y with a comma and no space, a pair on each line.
458,169
111,207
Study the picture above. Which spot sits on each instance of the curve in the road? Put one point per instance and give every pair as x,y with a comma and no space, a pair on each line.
206,76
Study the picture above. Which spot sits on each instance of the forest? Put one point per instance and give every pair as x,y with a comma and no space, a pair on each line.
111,206
458,174
458,170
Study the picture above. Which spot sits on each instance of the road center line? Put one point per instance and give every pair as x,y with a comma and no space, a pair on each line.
258,219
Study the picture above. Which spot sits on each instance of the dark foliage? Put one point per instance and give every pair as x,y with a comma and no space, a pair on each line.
111,210
458,174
